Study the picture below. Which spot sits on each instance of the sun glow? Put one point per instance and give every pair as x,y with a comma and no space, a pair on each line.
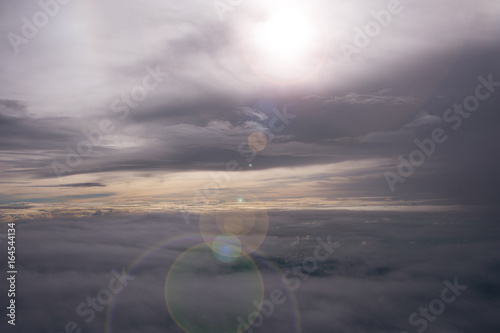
286,35
287,46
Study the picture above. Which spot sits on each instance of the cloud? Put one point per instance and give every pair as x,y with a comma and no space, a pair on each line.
212,100
9,104
423,119
16,207
387,266
367,99
75,185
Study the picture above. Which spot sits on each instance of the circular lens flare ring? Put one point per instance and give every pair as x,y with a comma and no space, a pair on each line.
257,141
189,240
226,248
250,227
183,292
239,214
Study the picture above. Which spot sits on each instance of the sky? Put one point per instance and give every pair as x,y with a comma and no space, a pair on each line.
334,96
176,166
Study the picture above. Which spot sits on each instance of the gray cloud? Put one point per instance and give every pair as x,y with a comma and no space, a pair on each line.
75,185
387,265
373,108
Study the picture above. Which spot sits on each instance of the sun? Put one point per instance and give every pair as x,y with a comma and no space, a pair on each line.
286,35
286,46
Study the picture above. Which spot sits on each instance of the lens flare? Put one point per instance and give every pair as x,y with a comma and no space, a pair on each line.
226,248
257,141
238,216
215,305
